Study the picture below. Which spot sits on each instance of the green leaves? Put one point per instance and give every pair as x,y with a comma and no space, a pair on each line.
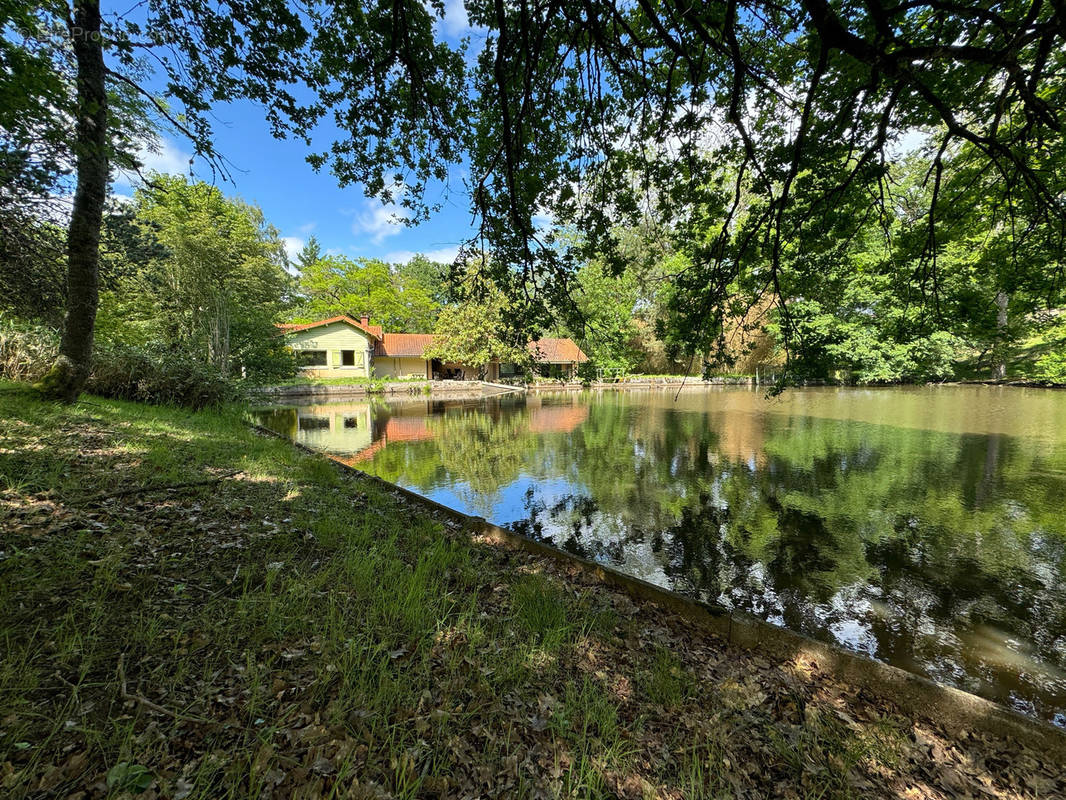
480,330
396,300
211,287
127,777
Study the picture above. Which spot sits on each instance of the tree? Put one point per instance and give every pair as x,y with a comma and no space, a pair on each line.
431,276
335,285
750,129
606,305
397,95
215,287
309,254
478,330
749,132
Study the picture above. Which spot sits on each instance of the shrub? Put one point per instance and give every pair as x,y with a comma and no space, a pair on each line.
147,372
26,350
586,372
1051,368
154,374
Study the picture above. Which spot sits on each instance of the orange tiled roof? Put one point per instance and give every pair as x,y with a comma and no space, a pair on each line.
556,351
413,345
403,344
373,330
365,455
397,429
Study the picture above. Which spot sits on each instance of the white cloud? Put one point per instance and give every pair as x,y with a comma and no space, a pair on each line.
444,255
293,245
378,221
163,156
455,22
306,228
543,221
907,141
166,157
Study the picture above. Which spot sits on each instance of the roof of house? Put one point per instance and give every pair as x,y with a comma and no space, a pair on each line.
557,351
373,330
413,345
399,345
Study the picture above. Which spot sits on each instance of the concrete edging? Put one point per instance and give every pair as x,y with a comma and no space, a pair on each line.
313,391
915,695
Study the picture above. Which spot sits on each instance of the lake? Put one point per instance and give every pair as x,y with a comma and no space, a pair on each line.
924,527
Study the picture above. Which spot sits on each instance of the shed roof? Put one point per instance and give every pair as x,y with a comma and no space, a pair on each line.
403,344
557,351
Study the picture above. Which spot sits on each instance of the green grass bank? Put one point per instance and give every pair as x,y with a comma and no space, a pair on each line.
191,610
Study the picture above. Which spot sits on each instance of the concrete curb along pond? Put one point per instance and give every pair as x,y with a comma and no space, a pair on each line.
913,694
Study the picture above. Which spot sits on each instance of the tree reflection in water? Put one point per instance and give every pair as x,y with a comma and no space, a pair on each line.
923,527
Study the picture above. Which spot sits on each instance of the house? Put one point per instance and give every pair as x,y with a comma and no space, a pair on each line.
341,347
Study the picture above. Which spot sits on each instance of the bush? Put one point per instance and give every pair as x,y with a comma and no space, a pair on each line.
26,350
587,372
153,374
149,373
1051,368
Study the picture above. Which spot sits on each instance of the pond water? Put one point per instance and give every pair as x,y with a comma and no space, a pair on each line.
924,527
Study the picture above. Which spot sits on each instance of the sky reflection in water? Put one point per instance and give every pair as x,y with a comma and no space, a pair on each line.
924,527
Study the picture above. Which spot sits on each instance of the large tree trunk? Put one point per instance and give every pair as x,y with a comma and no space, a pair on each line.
1000,367
69,373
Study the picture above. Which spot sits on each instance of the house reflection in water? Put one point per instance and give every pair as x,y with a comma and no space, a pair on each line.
341,429
555,418
394,429
356,432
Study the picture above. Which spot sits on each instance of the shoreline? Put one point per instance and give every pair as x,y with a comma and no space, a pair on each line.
464,390
916,694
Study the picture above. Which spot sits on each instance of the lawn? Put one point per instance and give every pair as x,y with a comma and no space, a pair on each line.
191,610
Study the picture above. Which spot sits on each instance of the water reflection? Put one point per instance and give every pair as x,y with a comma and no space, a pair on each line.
924,527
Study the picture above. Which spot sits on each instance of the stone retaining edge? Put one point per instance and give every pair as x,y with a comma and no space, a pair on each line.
914,694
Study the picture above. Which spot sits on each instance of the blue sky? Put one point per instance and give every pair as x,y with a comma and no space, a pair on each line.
299,202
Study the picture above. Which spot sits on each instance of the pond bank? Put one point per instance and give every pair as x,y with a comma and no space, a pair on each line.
203,611
913,694
464,389
456,390
326,391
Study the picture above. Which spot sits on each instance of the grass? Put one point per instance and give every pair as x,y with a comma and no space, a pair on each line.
290,628
667,683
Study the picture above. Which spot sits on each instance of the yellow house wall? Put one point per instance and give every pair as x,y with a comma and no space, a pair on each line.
349,429
388,367
333,339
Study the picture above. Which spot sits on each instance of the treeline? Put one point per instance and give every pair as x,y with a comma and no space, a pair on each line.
193,284
871,296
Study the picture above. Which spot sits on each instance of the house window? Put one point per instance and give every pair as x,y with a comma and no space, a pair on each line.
351,358
314,423
311,358
351,422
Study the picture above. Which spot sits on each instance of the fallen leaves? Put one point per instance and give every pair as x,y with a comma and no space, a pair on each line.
251,668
